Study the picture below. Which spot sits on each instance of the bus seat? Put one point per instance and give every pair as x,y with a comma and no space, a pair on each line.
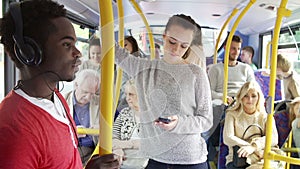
212,137
282,125
263,79
223,152
223,149
282,122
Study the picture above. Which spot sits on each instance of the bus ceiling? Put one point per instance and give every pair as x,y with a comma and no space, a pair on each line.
260,17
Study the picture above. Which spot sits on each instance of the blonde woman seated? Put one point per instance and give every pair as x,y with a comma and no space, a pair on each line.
248,110
126,129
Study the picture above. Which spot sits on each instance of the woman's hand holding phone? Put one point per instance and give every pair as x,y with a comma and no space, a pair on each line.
167,123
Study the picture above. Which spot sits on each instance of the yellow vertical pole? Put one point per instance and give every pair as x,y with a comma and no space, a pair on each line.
121,43
235,10
281,12
268,55
107,76
228,43
289,144
151,39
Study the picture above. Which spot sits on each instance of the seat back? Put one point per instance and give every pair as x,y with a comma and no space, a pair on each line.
281,116
223,152
263,79
282,125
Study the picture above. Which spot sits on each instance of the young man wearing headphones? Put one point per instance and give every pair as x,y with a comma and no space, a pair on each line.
36,129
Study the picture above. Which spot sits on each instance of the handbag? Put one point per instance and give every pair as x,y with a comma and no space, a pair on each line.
241,161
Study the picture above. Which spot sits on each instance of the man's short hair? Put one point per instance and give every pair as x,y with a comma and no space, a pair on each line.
237,39
249,49
37,25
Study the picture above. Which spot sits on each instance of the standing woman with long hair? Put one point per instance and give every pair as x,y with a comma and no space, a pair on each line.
177,91
132,47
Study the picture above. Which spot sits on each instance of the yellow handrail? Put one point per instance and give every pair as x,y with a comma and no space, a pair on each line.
235,10
228,43
268,155
268,54
289,144
121,43
87,131
107,77
151,39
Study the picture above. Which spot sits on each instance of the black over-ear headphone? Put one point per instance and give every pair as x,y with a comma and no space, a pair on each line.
26,49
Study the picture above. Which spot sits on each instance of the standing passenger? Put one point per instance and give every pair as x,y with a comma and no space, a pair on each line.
36,129
132,47
173,89
94,56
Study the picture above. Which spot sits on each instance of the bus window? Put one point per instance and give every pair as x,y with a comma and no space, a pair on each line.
289,42
291,53
265,40
296,65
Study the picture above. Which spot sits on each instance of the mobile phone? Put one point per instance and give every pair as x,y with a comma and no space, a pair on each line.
164,120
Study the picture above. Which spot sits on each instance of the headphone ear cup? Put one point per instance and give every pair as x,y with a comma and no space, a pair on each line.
29,53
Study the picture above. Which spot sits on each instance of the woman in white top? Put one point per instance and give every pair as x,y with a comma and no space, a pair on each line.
248,110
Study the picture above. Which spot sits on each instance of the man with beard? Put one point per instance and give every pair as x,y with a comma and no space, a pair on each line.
238,73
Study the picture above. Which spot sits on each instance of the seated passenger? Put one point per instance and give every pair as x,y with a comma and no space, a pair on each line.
84,108
126,129
291,80
248,110
247,55
238,72
295,121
